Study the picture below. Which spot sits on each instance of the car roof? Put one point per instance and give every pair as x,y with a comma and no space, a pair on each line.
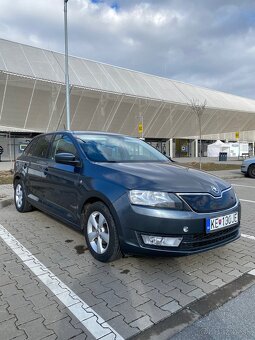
96,133
72,132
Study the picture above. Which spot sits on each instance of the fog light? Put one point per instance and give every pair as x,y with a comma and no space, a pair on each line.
162,241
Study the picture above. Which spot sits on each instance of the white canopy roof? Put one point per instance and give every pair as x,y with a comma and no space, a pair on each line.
109,98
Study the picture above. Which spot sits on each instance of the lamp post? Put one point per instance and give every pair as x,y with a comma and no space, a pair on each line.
66,69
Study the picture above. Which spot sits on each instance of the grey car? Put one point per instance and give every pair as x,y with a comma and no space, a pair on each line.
124,195
248,167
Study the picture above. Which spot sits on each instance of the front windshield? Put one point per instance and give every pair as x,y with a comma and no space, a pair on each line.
111,148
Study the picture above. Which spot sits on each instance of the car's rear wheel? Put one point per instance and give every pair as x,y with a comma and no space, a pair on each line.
101,233
251,171
20,199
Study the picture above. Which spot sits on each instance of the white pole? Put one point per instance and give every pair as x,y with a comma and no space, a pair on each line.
171,147
66,69
10,149
196,147
200,139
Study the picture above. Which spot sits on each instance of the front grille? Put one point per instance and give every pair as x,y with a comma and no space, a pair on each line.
205,203
200,241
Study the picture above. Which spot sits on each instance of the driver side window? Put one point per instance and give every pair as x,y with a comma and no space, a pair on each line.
62,143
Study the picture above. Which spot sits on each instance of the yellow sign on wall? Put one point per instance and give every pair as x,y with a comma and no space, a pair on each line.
237,135
140,127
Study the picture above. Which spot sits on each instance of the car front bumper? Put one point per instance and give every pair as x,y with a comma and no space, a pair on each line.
244,168
135,221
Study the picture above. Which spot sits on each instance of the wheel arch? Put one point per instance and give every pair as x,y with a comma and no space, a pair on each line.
99,198
17,177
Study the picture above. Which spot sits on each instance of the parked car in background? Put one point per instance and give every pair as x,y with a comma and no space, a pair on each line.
248,167
124,195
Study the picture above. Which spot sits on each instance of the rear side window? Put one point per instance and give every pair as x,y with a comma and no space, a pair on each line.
39,147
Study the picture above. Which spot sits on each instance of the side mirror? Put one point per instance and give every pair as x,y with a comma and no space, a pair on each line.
67,158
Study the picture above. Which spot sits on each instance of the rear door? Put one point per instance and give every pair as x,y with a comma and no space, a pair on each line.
36,163
63,180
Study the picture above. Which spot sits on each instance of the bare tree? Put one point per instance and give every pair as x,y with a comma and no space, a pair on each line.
198,108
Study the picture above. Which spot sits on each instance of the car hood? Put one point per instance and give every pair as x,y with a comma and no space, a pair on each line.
249,160
163,177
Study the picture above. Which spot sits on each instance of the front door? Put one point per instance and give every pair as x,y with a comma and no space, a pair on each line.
63,181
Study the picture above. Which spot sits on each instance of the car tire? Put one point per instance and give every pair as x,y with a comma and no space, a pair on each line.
101,233
251,171
20,197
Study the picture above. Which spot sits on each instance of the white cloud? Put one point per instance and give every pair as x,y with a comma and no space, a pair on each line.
205,42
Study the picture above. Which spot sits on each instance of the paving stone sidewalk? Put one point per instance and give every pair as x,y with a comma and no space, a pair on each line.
131,294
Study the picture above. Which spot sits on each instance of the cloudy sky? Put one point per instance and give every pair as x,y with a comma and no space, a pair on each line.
205,42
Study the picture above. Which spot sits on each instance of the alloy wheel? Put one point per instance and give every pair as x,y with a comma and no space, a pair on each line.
98,232
19,195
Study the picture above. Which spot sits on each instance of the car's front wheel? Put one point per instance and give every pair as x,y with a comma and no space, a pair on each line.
251,171
20,199
101,233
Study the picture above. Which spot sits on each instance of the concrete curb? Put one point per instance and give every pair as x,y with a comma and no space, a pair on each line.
6,202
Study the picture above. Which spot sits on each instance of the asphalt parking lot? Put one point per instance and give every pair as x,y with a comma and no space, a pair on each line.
51,287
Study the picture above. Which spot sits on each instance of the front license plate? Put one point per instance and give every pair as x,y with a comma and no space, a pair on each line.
213,224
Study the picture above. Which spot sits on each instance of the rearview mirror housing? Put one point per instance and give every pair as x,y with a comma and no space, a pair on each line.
67,158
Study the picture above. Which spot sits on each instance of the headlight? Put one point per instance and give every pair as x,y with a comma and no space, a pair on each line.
155,199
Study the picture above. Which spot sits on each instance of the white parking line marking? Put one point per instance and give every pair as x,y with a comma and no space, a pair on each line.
249,201
248,236
244,186
84,313
252,272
